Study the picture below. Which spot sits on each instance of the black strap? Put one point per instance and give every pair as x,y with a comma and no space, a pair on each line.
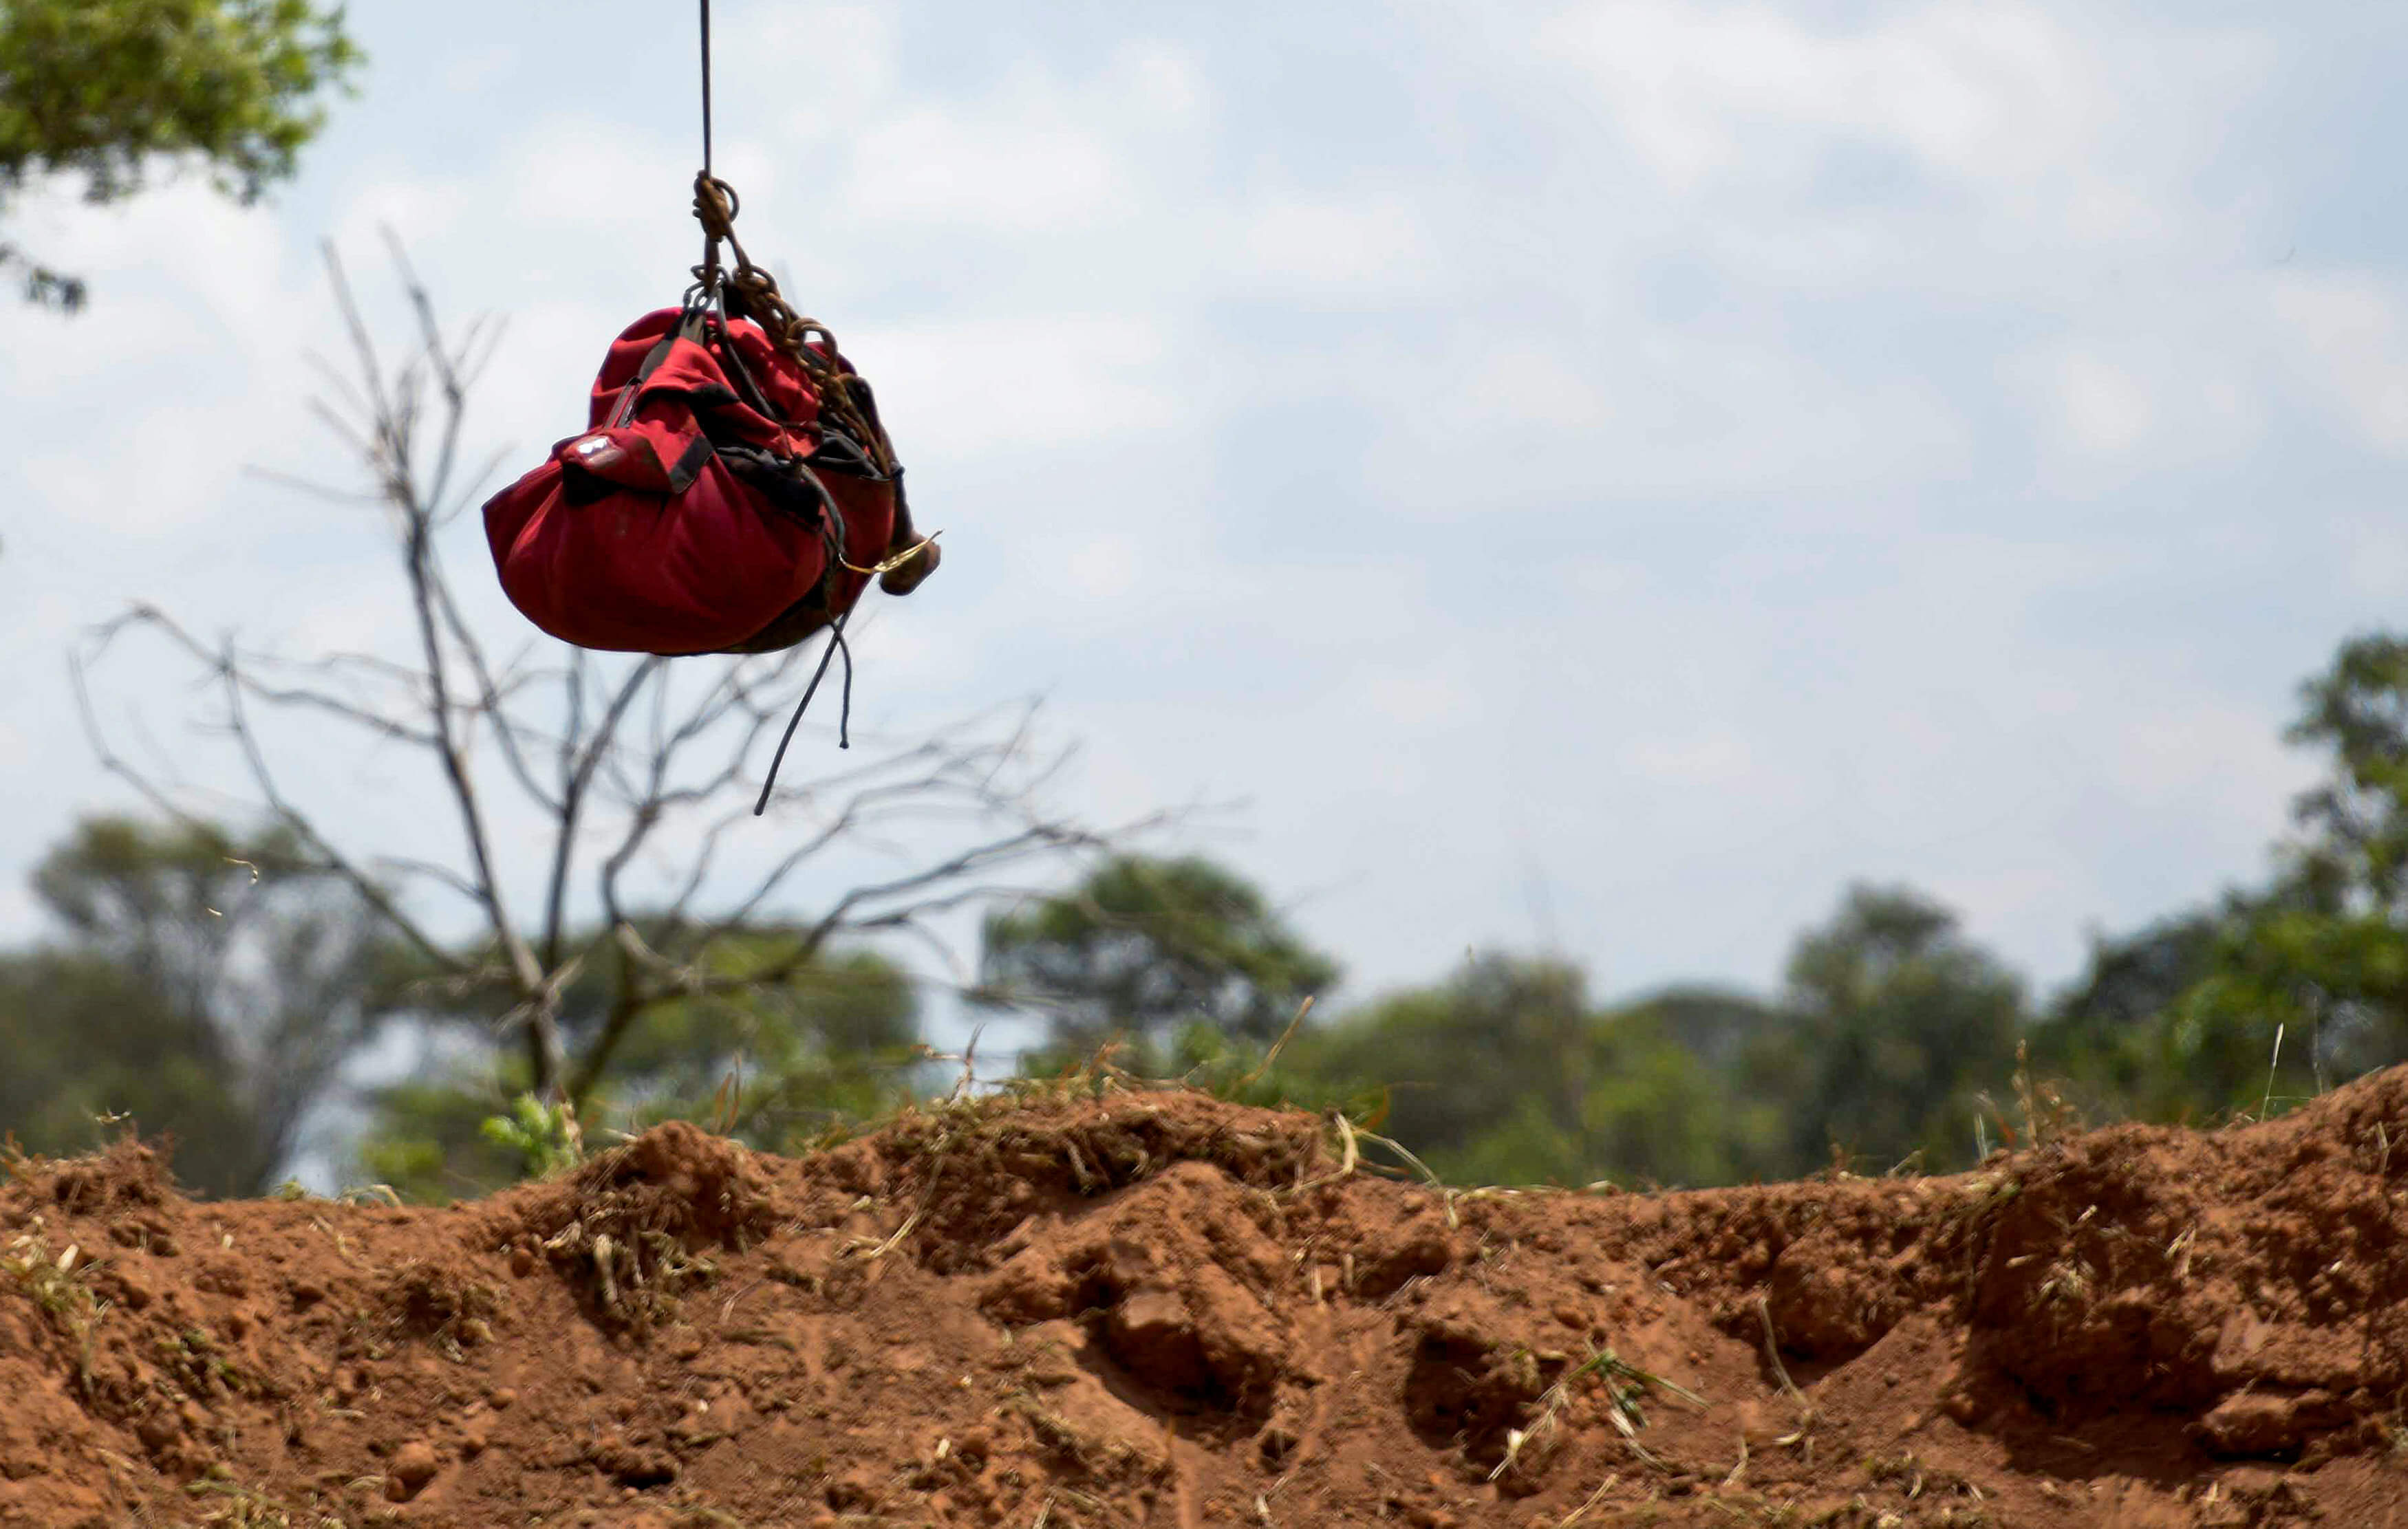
844,721
738,373
635,388
832,532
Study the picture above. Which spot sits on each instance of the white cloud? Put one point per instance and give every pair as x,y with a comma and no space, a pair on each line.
1020,384
2104,408
420,212
1345,252
479,69
2122,397
1421,692
2040,116
1998,93
1163,81
1535,386
1650,412
1104,567
786,45
932,166
1712,759
184,286
2348,334
2375,554
170,469
2200,752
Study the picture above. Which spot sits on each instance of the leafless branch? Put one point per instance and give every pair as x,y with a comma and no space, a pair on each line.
555,766
161,800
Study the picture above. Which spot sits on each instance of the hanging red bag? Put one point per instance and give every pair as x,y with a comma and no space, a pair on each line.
717,501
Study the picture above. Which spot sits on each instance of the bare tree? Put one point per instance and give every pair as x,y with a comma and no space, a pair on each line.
637,772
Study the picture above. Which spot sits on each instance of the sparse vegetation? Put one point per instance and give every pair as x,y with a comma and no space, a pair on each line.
545,1136
58,1290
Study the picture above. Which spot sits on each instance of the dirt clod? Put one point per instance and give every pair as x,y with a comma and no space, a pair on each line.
411,1467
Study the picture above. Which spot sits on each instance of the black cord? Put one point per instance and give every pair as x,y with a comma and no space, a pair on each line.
706,87
844,719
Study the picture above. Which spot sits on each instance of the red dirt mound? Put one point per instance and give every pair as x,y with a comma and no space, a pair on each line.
1149,1307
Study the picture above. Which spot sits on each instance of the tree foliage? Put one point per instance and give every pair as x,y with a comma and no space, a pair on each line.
773,1066
1892,1026
1900,1022
2354,855
1507,1072
207,987
1145,946
116,91
87,1045
2276,992
2105,1035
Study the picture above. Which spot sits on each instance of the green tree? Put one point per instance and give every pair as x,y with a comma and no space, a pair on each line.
117,90
1899,1022
1749,1053
1718,1025
2183,1019
207,986
1465,1056
2297,994
2326,956
425,1139
87,1043
2117,1038
1506,1073
1148,945
836,1039
2354,848
774,1065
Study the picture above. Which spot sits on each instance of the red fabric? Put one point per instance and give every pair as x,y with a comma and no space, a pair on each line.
636,536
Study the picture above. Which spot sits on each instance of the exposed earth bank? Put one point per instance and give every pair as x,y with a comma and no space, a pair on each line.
1131,1307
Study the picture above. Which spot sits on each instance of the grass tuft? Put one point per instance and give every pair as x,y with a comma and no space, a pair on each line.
1624,1386
57,1290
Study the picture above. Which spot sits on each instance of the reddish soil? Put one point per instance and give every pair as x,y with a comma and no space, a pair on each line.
1150,1307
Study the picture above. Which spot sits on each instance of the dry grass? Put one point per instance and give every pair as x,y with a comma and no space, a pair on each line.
636,1278
237,1506
57,1288
1624,1386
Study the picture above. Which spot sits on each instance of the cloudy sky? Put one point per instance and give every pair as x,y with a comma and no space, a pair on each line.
1597,474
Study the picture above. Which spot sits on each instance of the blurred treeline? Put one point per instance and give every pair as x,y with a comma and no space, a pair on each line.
208,986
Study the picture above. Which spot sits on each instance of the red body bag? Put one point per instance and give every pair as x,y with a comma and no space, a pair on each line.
708,508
